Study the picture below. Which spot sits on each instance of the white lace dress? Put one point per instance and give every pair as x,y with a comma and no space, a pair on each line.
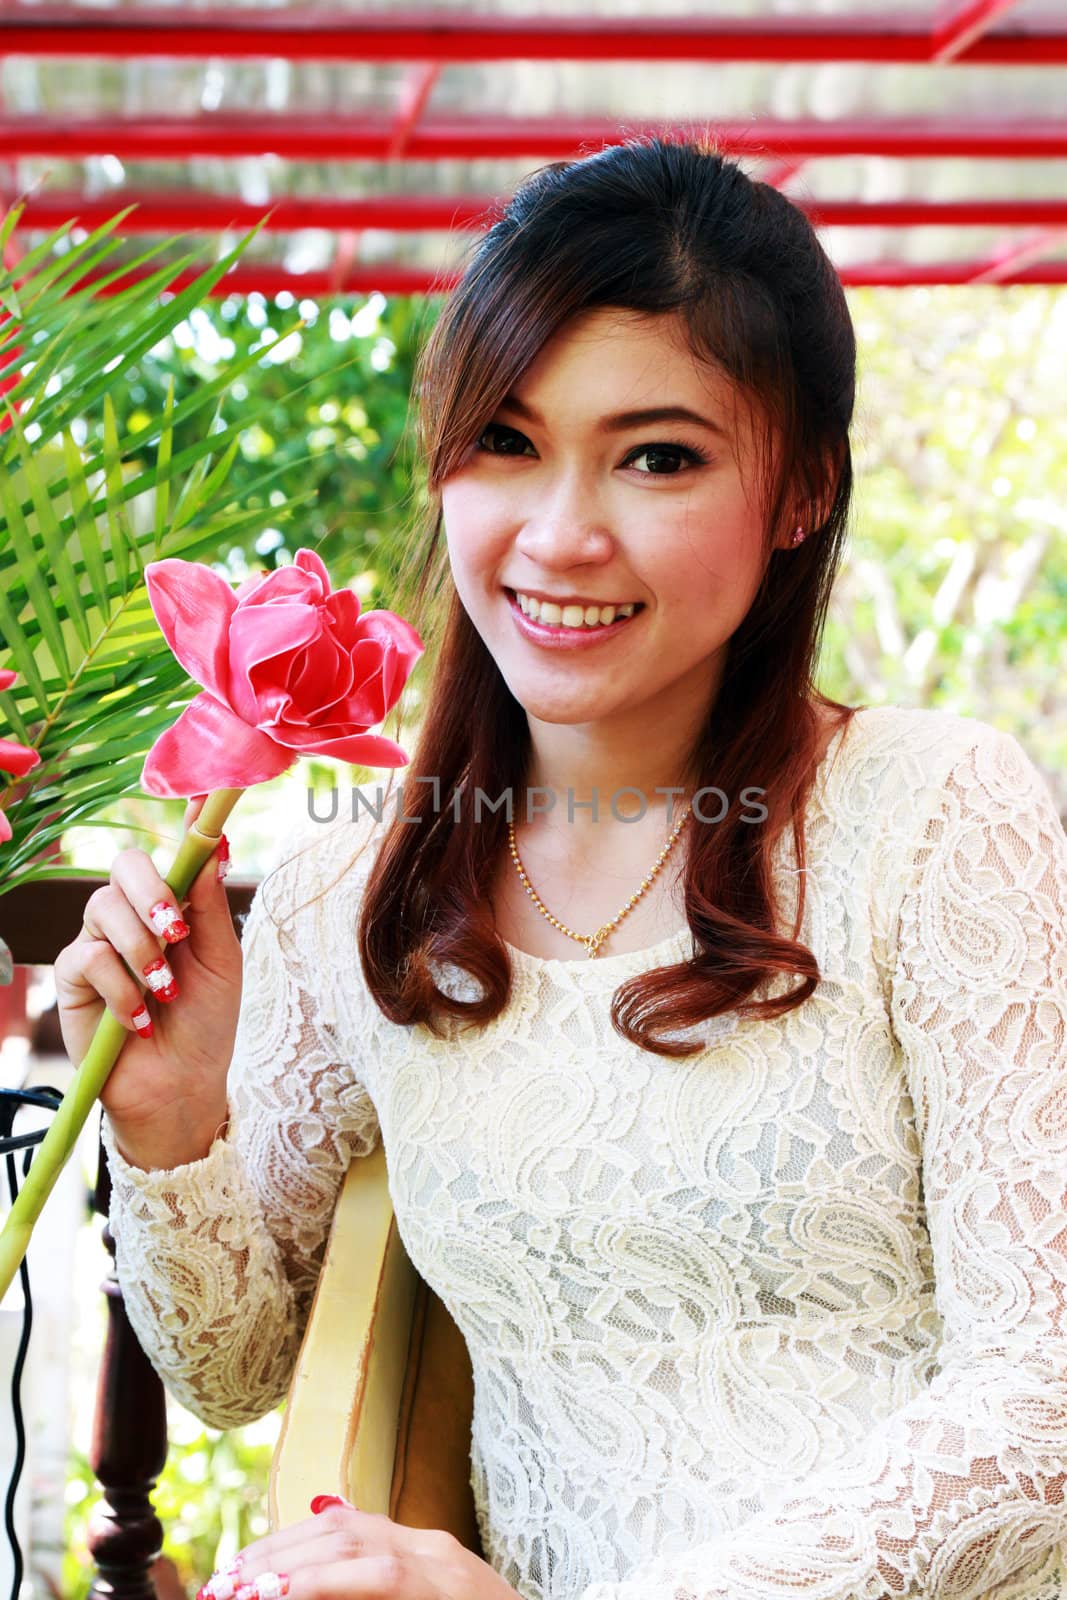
784,1319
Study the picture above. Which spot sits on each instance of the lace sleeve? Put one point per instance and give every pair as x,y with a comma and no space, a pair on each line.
962,1488
218,1259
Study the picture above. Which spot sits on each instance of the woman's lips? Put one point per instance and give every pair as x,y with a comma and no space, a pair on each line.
561,638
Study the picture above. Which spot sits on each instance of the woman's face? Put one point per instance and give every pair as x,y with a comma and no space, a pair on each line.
565,497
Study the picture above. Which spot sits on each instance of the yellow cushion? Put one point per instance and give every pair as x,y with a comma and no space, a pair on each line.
380,1403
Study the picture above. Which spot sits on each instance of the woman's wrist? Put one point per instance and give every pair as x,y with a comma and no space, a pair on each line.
159,1151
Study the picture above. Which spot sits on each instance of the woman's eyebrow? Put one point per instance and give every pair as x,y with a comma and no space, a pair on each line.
618,420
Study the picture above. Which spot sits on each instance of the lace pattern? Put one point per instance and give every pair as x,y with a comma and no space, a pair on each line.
218,1259
784,1319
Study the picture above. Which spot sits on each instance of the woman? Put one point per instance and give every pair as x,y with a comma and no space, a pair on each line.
754,1223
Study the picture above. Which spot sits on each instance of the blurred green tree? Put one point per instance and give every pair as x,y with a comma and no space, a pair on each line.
954,592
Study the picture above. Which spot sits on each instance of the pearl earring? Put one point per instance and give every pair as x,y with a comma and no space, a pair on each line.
799,535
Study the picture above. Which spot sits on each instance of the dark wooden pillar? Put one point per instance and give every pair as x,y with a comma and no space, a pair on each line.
129,1446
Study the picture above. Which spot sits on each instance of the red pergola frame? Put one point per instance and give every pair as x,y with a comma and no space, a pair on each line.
964,35
965,32
368,138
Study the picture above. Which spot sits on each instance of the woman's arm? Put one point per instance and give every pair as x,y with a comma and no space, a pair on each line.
218,1259
966,1485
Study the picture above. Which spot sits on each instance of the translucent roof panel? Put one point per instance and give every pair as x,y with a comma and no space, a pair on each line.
204,115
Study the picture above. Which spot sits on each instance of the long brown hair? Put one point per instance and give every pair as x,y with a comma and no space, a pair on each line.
655,226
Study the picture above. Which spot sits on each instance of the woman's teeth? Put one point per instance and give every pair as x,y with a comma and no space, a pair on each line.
555,616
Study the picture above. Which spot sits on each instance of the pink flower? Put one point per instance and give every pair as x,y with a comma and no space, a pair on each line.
289,668
16,758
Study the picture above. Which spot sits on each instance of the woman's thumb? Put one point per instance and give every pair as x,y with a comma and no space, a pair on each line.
208,907
201,895
193,808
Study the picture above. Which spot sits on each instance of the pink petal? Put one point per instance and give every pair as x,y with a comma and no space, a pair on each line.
323,677
311,562
366,749
193,606
250,585
17,758
367,702
282,586
343,607
7,679
403,647
211,748
266,637
5,829
382,661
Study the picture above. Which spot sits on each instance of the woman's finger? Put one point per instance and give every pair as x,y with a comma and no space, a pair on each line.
395,1577
338,1531
314,1571
192,810
109,916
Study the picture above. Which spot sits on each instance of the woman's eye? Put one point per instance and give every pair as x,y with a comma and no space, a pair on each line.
674,455
510,435
665,460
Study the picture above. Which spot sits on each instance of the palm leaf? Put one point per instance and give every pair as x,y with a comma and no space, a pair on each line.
96,682
97,461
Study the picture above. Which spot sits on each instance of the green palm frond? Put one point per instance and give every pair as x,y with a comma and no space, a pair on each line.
79,522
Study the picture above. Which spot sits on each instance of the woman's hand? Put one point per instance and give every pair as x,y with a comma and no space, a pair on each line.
166,1095
345,1554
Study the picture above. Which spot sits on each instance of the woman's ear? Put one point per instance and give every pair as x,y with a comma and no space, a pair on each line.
811,513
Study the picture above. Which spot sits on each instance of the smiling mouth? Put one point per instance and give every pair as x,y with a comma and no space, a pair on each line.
623,611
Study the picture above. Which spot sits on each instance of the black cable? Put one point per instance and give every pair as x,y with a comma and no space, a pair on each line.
11,1100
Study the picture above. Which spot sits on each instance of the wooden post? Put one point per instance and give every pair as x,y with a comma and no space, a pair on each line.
129,1446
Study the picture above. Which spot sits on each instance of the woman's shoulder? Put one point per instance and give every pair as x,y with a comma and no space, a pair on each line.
903,765
919,746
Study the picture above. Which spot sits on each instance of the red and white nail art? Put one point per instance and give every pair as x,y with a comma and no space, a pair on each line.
167,921
142,1022
222,857
322,1502
161,979
222,1585
268,1586
271,1585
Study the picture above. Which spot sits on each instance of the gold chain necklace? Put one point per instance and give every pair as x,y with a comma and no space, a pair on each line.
593,941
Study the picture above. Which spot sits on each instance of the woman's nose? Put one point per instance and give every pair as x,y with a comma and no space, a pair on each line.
565,526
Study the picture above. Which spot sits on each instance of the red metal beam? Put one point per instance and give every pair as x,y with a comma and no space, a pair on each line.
485,138
415,92
388,279
454,37
1004,264
205,213
963,23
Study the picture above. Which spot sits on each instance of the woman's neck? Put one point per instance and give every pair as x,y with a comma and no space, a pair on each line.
582,782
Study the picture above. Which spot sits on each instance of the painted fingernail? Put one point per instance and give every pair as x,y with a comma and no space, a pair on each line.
222,857
322,1502
166,920
270,1586
220,1586
142,1022
161,979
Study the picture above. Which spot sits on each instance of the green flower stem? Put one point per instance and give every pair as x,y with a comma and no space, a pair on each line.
104,1049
